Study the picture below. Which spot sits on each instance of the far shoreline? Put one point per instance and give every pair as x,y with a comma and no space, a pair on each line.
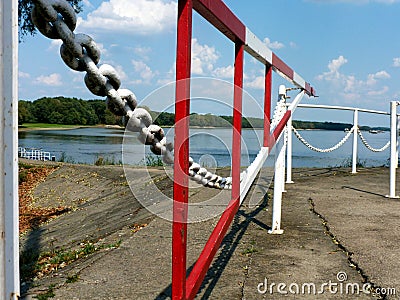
43,126
64,127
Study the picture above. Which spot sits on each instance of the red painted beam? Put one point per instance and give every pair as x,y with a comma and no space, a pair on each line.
267,104
219,15
237,120
181,149
281,125
310,91
282,66
202,264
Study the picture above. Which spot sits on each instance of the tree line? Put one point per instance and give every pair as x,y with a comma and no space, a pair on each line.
66,111
73,111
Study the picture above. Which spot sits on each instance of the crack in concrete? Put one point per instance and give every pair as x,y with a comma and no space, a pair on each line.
337,242
246,276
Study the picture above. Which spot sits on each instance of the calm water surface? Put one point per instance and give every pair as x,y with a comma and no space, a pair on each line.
210,146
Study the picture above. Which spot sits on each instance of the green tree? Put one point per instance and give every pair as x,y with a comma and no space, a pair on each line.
99,108
26,26
25,112
110,118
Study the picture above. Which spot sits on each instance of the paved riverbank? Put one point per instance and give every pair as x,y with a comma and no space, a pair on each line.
339,229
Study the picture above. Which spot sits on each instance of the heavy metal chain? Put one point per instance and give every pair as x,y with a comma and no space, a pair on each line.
56,19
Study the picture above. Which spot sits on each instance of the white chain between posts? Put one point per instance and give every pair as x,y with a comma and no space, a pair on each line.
369,146
338,145
56,19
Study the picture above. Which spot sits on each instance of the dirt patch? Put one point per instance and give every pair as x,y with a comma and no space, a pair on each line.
31,216
95,211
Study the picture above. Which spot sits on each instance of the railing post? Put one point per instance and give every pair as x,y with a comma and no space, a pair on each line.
267,105
393,149
181,150
397,134
289,152
278,189
355,140
9,233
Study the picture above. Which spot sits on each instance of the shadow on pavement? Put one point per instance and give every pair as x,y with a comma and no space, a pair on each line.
227,248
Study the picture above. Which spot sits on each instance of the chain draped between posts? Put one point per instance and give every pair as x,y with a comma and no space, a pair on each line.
369,147
56,19
340,143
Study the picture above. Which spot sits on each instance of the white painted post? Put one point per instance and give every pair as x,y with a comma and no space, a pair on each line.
355,140
278,188
9,243
393,149
289,152
397,134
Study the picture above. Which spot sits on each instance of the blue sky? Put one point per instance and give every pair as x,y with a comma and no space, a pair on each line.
349,50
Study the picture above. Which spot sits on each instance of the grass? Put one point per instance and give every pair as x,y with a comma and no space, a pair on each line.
250,250
48,294
72,278
37,265
348,162
65,158
153,161
46,125
107,161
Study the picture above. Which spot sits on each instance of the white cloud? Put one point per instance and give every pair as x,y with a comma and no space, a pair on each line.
203,58
396,62
139,17
102,49
373,78
120,71
55,45
350,87
380,92
143,52
87,3
52,79
257,83
273,45
333,66
144,71
23,75
224,72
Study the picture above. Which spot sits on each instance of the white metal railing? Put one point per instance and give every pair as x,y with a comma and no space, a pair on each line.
35,154
280,150
355,131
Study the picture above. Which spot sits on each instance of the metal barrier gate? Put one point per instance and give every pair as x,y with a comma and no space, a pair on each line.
219,15
223,19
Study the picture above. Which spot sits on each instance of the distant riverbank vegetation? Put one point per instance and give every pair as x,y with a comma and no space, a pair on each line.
78,112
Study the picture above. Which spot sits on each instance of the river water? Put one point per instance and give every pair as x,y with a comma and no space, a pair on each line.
210,146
